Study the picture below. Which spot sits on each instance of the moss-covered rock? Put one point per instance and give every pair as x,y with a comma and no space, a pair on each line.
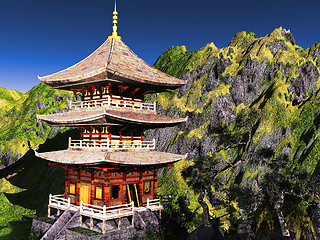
270,76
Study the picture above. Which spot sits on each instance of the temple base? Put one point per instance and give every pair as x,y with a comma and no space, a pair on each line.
101,213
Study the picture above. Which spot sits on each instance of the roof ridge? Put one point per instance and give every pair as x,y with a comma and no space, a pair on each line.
66,69
110,55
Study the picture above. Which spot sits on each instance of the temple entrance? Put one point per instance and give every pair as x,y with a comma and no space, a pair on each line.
132,194
85,192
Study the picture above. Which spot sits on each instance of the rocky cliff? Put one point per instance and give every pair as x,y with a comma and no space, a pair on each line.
249,105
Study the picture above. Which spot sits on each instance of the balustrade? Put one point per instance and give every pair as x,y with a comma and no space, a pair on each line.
113,102
111,143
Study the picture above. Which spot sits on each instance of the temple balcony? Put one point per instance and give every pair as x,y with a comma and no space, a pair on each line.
102,213
114,102
111,143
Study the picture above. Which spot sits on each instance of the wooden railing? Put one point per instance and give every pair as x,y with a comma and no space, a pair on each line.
102,213
109,144
153,204
113,102
106,212
59,200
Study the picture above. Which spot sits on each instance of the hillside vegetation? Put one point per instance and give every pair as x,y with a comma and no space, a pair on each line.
252,135
19,128
26,181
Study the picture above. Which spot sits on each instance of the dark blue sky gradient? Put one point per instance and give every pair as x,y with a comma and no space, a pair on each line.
43,37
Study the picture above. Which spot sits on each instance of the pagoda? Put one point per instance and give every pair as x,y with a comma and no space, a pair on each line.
111,165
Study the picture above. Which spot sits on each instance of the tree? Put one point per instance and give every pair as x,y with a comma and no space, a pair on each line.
200,176
279,184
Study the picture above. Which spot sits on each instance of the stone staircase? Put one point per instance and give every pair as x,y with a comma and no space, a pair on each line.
66,220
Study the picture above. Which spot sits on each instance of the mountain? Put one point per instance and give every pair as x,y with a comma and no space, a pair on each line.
251,137
19,129
26,181
254,111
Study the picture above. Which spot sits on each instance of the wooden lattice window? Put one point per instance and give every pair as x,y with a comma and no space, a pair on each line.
98,192
147,187
72,188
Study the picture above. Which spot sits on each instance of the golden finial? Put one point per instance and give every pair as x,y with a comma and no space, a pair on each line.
115,21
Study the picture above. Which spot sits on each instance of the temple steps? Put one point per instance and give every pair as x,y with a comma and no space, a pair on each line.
68,219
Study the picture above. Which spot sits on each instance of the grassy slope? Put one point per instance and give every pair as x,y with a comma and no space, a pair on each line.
275,108
25,186
16,116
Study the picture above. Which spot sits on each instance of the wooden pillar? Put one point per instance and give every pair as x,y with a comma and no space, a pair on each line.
154,183
78,187
103,226
91,93
124,188
92,187
140,187
106,189
66,177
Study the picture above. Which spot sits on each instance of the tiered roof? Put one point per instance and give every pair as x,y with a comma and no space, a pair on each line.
113,61
120,116
137,158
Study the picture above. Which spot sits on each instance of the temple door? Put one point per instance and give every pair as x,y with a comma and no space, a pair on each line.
85,192
133,194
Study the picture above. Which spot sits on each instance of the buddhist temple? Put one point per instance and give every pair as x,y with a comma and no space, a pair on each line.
111,166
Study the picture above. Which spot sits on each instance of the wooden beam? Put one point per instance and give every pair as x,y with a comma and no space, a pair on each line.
78,187
66,176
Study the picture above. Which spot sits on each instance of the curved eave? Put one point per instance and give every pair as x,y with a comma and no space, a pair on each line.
111,116
122,158
113,58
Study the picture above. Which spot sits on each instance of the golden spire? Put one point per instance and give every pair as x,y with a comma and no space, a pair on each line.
115,21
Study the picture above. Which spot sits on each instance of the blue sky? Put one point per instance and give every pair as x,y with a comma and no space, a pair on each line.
40,37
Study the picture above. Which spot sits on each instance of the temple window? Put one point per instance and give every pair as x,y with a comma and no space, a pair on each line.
98,192
147,187
115,190
72,188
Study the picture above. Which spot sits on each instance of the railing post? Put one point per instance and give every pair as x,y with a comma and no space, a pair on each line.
154,106
69,142
132,223
81,104
70,104
80,217
119,223
154,144
148,203
95,103
103,226
68,202
49,204
108,100
80,144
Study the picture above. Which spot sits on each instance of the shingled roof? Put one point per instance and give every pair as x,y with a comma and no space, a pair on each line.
119,116
112,61
136,158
